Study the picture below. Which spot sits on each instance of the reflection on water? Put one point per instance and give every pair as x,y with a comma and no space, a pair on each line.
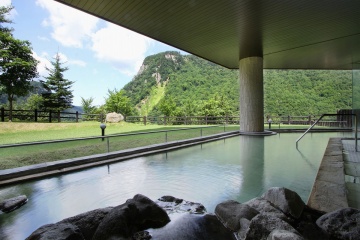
238,168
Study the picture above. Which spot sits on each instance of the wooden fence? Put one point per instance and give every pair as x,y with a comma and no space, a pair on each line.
48,116
183,120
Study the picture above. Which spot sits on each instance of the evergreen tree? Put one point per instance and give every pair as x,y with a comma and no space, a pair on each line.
4,11
59,96
17,65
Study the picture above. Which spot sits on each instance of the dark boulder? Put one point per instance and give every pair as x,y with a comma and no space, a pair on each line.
69,228
263,224
341,224
60,231
230,212
11,204
265,207
88,222
119,222
136,214
289,202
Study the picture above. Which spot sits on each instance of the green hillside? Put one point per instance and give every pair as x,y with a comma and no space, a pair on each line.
37,88
178,84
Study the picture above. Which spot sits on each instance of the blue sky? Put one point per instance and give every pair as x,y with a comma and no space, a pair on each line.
99,55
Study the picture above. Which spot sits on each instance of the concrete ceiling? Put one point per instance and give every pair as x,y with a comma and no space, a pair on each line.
290,34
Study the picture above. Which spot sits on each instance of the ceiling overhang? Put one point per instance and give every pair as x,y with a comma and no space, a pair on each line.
306,34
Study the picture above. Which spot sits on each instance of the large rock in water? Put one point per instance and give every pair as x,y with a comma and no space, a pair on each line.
135,215
286,200
264,206
120,222
114,117
82,226
59,231
263,224
230,212
341,224
11,204
88,222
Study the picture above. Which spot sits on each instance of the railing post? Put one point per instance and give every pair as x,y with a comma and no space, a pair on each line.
36,115
50,113
165,120
144,120
309,119
166,136
2,114
206,120
77,116
289,119
58,115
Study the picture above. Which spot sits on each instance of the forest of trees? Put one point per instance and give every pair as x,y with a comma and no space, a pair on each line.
194,86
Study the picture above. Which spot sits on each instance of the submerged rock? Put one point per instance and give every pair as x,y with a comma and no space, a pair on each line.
11,204
341,224
177,205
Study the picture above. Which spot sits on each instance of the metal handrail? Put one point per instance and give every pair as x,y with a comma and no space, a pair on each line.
334,114
102,137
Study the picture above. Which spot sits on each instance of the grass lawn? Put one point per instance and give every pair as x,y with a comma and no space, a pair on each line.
34,154
17,132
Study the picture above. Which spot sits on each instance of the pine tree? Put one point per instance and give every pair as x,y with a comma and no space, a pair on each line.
59,96
17,64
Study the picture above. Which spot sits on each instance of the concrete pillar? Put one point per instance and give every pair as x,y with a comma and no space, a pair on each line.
251,94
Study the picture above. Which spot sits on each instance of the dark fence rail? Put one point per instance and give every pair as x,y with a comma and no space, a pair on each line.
343,119
183,120
48,116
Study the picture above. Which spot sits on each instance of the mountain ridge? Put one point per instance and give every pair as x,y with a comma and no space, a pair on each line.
187,79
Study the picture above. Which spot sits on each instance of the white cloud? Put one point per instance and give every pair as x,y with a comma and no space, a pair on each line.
70,27
64,59
77,63
5,2
43,38
121,47
43,63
